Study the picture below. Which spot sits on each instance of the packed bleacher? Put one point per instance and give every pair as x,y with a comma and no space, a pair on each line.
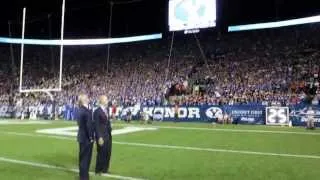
278,66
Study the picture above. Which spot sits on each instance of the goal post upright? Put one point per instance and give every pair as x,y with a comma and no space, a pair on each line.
21,90
63,8
22,48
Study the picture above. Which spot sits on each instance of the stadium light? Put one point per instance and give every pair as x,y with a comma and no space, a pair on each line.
292,22
79,42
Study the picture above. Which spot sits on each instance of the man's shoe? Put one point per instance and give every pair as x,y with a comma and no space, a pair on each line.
106,172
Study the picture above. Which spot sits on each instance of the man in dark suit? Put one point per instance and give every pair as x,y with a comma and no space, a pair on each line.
103,136
85,137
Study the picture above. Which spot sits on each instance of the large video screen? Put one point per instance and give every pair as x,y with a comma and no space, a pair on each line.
192,14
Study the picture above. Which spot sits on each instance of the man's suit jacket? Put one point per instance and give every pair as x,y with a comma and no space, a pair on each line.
85,123
102,124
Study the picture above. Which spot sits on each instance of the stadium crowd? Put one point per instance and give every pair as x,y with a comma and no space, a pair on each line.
260,67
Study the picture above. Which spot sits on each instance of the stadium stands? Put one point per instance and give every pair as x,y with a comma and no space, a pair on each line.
261,67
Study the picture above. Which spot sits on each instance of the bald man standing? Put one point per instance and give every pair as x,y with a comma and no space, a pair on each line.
85,136
103,136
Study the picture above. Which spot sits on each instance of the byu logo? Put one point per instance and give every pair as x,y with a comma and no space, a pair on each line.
3,109
277,115
213,112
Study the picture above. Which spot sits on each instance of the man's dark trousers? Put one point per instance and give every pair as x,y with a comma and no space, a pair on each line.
85,155
104,155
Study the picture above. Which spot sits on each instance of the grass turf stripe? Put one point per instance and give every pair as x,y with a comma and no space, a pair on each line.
47,166
161,146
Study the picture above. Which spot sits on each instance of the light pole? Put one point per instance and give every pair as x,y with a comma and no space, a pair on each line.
109,34
51,48
13,64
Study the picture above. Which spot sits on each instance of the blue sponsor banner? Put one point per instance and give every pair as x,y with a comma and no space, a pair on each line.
242,114
299,114
246,114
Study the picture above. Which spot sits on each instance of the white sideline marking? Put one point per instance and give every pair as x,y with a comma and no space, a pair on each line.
72,131
22,122
67,131
179,147
220,150
47,166
230,130
37,135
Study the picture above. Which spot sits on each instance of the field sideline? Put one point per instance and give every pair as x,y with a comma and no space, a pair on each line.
168,151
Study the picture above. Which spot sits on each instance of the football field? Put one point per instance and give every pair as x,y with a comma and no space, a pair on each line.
47,150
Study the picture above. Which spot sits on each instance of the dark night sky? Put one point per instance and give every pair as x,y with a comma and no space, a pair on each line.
89,18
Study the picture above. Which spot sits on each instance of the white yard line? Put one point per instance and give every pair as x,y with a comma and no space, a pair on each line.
47,166
73,130
38,135
23,122
227,130
219,150
161,146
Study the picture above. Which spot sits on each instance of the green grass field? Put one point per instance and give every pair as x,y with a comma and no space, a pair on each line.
180,151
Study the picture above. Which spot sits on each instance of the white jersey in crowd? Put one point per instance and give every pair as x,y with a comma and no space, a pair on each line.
33,113
146,116
19,103
50,109
225,116
310,113
41,107
315,101
61,109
